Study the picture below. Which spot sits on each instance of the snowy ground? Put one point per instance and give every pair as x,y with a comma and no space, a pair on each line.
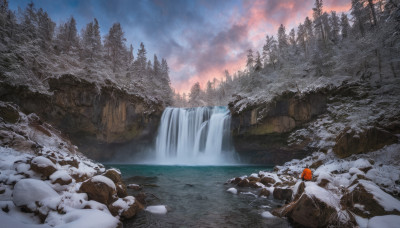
378,172
29,198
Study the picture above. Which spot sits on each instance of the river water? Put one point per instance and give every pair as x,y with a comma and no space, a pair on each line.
196,196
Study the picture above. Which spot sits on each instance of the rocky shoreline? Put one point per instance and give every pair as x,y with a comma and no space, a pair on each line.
45,179
355,191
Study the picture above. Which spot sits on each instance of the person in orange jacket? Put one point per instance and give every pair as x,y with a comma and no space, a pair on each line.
307,174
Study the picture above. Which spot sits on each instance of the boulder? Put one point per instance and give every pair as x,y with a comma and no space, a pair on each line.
323,182
264,192
254,184
362,199
100,189
43,165
351,142
61,177
308,211
300,190
126,207
257,179
283,194
236,180
243,183
115,176
141,198
73,162
316,164
79,177
267,181
121,189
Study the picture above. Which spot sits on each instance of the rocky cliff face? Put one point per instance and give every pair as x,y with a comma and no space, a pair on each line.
260,132
98,119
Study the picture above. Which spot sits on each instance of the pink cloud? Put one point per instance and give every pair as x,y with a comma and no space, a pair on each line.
248,27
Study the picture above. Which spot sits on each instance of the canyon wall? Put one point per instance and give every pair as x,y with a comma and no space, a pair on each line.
260,131
99,119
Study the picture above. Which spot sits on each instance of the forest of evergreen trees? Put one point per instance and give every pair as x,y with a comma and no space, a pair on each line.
33,48
362,45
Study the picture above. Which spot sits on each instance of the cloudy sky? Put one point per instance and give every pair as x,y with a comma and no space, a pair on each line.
199,38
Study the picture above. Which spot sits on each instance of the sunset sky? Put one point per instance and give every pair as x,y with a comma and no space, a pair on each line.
199,39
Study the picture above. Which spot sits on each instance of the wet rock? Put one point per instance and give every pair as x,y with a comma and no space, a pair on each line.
283,194
253,179
264,192
351,142
254,184
98,191
141,197
243,183
121,189
135,187
115,176
236,180
267,181
126,207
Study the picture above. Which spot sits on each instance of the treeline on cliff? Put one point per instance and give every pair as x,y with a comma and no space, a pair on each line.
362,44
33,49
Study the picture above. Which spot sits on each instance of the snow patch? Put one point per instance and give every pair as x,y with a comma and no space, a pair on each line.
158,209
105,180
28,191
232,190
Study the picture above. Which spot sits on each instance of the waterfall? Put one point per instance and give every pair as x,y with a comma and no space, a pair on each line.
195,136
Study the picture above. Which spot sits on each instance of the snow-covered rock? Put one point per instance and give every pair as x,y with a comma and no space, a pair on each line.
157,209
232,190
29,191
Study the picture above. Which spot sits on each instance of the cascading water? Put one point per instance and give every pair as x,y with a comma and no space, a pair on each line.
195,136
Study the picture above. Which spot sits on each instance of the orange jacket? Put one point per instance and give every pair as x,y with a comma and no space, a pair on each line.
306,175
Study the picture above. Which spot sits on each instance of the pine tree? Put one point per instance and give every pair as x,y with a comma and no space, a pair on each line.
45,29
194,96
292,38
141,60
267,49
344,25
258,64
97,38
130,55
309,35
250,60
335,27
156,66
115,42
317,13
8,22
282,40
359,14
301,38
67,38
